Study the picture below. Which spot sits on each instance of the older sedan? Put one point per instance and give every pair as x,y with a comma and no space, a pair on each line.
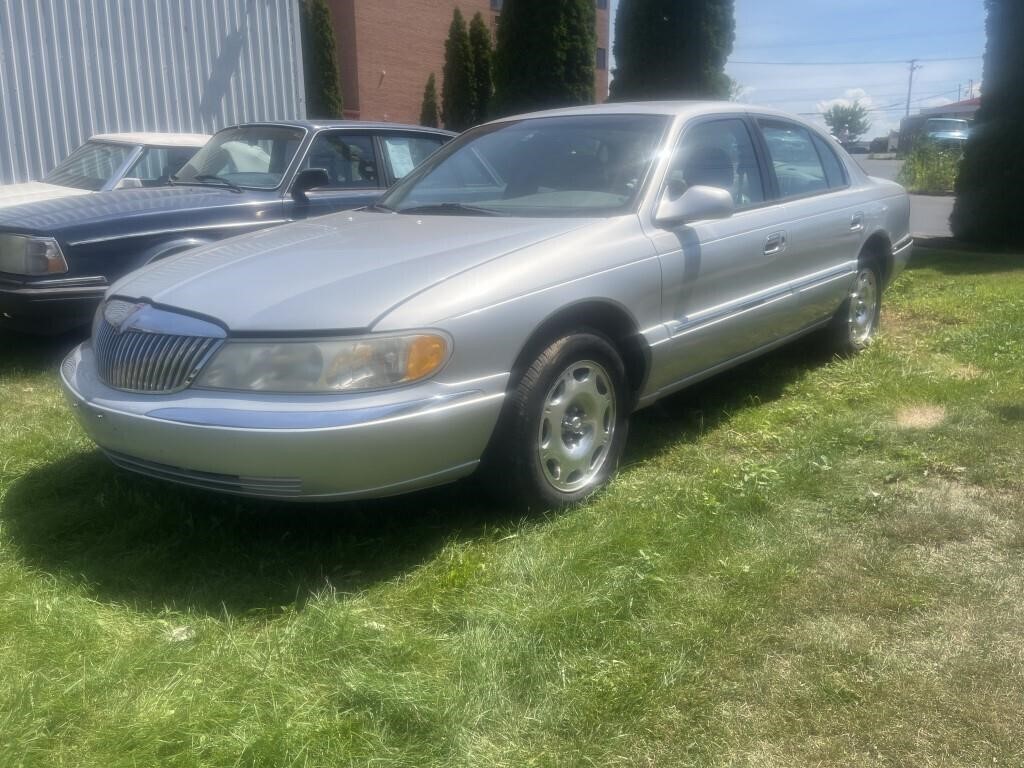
110,161
58,257
510,303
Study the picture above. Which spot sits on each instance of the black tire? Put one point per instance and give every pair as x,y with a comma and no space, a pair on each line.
855,324
514,465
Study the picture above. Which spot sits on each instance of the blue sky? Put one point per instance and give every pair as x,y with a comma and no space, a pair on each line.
858,33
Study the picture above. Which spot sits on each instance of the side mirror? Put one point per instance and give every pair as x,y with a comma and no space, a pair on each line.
697,203
307,179
129,183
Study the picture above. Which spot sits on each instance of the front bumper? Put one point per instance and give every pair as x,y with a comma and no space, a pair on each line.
50,305
316,447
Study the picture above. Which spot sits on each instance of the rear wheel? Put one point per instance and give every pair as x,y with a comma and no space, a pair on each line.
565,424
855,324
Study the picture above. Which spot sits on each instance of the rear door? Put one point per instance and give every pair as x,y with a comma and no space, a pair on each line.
822,216
403,151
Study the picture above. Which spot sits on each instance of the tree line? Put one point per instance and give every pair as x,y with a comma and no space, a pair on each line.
544,56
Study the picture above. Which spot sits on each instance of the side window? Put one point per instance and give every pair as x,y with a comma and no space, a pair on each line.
797,165
718,153
835,174
406,152
349,159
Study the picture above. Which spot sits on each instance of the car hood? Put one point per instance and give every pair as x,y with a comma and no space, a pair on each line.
34,191
339,272
121,205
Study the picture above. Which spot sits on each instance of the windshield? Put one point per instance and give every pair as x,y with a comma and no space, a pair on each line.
946,126
90,166
254,156
586,165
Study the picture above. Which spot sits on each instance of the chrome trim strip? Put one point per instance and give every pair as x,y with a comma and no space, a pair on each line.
67,282
254,419
181,231
744,304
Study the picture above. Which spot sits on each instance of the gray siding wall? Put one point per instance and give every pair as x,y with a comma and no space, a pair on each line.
73,68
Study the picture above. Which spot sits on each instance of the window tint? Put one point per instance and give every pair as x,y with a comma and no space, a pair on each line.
157,164
797,165
718,153
349,159
835,174
406,152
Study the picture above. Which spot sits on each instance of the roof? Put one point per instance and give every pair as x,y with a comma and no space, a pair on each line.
356,124
154,139
671,108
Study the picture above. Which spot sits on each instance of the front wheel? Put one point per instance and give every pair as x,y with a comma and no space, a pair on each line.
855,324
565,424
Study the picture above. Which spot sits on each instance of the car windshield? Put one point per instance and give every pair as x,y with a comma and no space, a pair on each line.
91,166
947,126
254,156
586,165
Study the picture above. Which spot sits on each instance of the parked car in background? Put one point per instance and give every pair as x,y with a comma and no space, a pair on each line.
945,131
512,301
110,161
58,257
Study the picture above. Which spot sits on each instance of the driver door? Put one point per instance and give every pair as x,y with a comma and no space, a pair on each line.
353,168
721,292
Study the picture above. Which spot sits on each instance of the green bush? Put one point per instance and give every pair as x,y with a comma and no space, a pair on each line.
930,169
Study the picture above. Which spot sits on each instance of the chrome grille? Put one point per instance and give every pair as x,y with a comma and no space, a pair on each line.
136,358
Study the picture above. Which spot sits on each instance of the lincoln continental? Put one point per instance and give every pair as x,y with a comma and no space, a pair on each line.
504,308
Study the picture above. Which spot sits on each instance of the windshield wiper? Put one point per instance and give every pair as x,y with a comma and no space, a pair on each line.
379,207
452,209
207,177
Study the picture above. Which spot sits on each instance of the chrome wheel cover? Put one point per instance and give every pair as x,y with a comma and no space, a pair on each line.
577,426
863,307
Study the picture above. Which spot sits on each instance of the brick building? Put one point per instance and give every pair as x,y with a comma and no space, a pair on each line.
388,48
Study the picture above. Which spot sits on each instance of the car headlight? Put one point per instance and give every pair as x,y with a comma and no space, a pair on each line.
340,365
29,255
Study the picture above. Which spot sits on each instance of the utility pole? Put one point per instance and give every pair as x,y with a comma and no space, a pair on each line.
914,66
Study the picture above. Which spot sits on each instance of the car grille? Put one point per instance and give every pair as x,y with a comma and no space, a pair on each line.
143,361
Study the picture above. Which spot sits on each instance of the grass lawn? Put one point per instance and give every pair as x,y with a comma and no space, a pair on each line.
805,562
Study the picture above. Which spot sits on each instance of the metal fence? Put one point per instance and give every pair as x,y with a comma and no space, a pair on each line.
73,68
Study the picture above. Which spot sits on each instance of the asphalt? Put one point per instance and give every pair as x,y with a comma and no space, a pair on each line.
929,215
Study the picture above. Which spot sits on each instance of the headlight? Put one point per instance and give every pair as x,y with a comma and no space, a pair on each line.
28,255
343,365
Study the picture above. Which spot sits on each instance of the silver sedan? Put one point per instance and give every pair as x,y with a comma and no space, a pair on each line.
507,307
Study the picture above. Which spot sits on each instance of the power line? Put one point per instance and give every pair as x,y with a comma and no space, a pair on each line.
847,63
879,38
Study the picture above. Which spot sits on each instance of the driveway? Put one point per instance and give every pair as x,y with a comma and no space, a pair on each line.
929,215
883,169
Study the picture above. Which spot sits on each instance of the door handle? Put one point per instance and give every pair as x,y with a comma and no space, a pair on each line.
775,243
857,222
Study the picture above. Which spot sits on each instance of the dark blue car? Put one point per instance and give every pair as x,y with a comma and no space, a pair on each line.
58,257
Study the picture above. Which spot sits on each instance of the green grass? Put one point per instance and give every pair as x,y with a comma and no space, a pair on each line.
805,562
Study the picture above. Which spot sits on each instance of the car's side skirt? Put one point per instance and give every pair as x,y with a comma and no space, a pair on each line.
651,397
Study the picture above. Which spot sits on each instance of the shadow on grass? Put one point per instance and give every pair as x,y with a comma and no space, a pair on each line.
152,545
953,258
26,353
